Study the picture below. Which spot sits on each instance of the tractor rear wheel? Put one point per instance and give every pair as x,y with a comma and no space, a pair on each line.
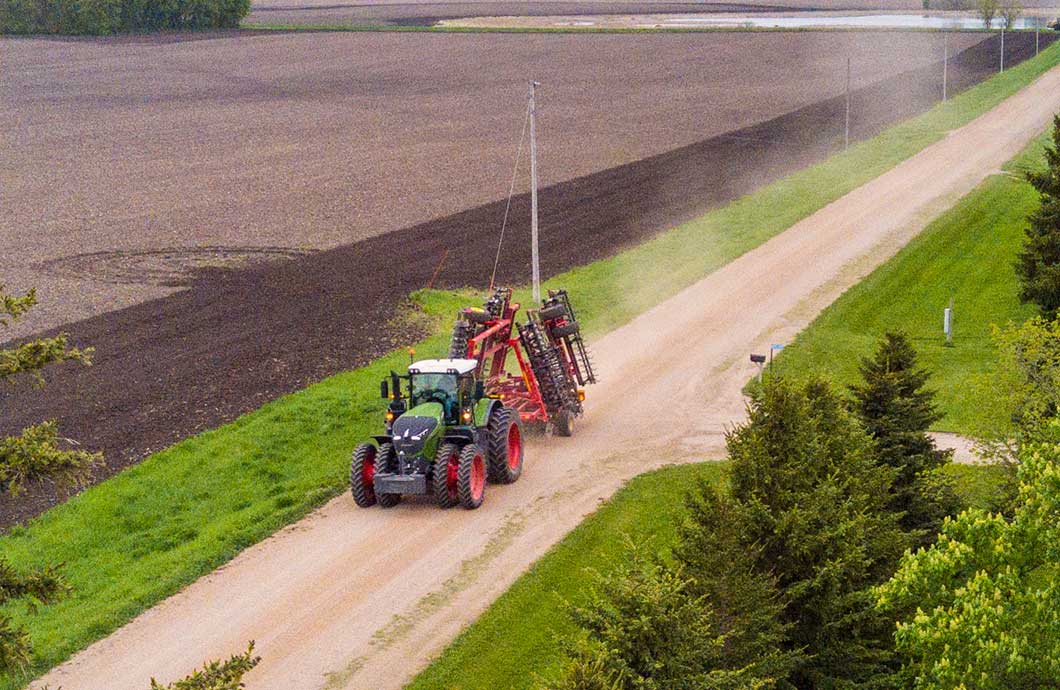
565,423
471,476
385,462
505,446
444,480
362,475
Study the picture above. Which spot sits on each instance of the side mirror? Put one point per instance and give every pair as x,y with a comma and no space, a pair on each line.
384,390
480,390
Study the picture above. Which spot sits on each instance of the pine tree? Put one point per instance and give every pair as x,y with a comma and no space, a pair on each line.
896,410
806,508
32,456
1038,265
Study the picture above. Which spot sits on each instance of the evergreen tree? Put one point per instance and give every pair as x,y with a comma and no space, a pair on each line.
217,675
807,508
896,410
649,627
32,456
1038,265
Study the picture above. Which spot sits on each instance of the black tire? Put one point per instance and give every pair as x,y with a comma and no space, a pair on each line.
362,470
471,476
565,423
566,329
552,312
385,461
505,435
444,495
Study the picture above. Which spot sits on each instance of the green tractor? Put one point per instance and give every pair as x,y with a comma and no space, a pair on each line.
444,438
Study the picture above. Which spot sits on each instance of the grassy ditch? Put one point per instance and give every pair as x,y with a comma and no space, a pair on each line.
525,634
966,256
136,538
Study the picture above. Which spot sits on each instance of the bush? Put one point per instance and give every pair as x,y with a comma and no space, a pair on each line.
102,17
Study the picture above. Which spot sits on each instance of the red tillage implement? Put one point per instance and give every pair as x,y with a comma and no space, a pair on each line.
552,359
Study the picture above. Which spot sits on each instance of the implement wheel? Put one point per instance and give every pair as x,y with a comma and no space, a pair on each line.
471,476
446,466
565,423
362,475
552,312
505,447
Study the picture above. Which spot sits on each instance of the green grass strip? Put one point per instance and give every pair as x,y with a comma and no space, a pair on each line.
525,635
143,535
967,255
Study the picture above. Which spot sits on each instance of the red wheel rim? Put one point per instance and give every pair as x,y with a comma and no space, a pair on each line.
452,475
478,477
368,474
515,447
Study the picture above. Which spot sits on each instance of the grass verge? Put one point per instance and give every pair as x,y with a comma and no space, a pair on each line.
967,255
524,635
133,540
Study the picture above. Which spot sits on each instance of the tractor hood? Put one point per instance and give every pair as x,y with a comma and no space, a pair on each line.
412,430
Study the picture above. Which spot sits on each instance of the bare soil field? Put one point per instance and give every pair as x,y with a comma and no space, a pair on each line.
429,12
233,339
299,142
357,599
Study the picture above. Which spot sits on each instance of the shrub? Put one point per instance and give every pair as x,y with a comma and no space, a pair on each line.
102,17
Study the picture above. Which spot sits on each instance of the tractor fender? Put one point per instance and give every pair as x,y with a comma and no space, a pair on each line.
483,409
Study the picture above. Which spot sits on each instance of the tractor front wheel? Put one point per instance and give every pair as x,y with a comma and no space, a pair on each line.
385,461
471,476
362,475
505,446
446,466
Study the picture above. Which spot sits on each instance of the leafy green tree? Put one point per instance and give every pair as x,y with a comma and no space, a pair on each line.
896,410
217,675
808,506
32,456
1038,265
1023,398
985,598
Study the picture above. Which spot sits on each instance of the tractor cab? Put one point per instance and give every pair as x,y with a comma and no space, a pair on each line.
448,382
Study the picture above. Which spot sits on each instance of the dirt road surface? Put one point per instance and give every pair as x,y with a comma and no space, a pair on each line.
362,599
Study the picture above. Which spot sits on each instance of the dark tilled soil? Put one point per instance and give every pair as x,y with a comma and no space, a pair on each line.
238,338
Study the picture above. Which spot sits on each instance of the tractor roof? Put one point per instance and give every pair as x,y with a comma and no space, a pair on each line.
443,366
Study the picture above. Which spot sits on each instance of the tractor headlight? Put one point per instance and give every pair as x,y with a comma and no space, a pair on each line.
467,416
389,416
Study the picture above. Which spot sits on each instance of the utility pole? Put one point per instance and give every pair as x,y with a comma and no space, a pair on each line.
846,131
536,267
1002,50
945,62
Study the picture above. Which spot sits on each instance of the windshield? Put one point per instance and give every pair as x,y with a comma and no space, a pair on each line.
440,388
